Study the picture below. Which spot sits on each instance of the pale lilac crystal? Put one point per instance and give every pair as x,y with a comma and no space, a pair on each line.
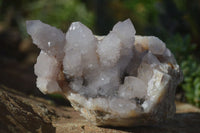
108,78
47,69
156,46
126,32
79,50
46,66
49,39
133,87
109,50
121,106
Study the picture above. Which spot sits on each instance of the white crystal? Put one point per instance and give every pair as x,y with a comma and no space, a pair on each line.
151,43
126,32
46,66
77,84
149,58
121,106
47,69
141,43
73,63
148,64
105,83
168,57
156,46
80,37
109,50
48,86
133,88
145,72
47,38
101,103
80,50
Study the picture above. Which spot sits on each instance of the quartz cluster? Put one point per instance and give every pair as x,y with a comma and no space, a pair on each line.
120,79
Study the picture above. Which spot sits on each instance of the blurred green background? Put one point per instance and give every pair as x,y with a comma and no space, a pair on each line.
176,22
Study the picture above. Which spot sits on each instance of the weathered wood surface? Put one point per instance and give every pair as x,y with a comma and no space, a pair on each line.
19,113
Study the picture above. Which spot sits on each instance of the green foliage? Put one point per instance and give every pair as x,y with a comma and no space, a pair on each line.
144,12
181,46
191,83
60,13
184,53
58,99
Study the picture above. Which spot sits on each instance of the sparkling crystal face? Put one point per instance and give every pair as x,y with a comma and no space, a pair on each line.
119,73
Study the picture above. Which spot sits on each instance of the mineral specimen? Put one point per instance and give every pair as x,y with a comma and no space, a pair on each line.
120,79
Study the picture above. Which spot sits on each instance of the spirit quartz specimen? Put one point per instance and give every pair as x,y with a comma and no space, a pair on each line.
120,79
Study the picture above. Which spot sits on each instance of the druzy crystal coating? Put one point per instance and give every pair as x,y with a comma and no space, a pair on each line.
120,79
